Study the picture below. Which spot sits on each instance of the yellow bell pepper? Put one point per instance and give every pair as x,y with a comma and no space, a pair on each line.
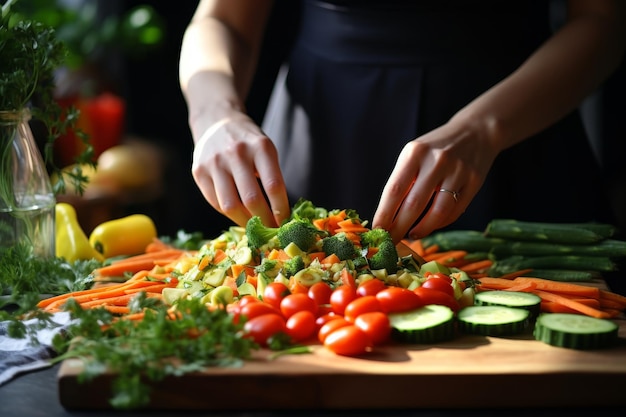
128,236
70,240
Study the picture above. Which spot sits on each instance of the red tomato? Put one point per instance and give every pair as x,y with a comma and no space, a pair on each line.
330,327
439,284
325,318
376,325
293,303
431,296
438,275
398,299
274,293
247,299
320,292
361,305
370,287
252,310
341,297
301,325
262,327
348,341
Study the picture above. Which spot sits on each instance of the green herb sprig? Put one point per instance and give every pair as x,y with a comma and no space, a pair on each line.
153,348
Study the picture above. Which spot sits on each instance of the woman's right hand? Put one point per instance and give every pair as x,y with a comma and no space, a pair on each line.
236,167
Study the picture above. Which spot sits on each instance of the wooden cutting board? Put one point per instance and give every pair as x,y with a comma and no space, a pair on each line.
471,371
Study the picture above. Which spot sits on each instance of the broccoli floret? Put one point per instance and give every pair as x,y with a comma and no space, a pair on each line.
340,245
258,234
305,209
293,265
385,258
374,237
387,255
299,231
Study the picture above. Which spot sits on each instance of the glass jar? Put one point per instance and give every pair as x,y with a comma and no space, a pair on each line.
26,198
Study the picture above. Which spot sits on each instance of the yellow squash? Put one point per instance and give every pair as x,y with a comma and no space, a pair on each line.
125,236
71,241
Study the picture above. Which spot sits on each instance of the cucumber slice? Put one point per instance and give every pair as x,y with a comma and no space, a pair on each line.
428,324
515,299
575,331
493,320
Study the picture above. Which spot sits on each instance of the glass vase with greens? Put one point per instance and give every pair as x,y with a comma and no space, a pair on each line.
30,54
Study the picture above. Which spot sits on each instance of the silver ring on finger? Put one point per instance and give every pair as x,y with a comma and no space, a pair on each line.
454,194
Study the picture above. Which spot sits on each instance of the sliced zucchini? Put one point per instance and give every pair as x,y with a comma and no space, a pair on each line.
493,320
575,331
515,299
428,324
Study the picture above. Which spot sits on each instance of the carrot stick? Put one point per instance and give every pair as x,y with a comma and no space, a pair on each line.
415,245
608,295
117,309
434,248
573,304
157,245
523,287
445,257
562,287
495,283
162,254
607,303
121,268
477,265
515,274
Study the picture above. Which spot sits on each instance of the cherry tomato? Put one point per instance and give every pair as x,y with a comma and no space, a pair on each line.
322,319
376,325
252,310
431,296
341,297
398,299
301,325
438,275
293,303
262,327
439,284
348,341
330,327
361,305
274,293
370,287
247,299
320,292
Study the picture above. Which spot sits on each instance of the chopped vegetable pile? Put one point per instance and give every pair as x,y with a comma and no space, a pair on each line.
321,278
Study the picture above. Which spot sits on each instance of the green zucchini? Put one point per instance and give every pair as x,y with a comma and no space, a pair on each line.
575,331
573,262
543,232
475,241
428,324
513,299
493,320
565,275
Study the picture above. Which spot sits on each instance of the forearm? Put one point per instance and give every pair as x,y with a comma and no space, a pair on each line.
552,82
217,65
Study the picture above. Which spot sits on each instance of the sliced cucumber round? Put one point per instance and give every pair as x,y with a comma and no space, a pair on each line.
428,324
575,331
493,320
515,299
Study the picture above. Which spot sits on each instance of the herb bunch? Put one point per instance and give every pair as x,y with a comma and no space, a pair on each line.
31,53
161,344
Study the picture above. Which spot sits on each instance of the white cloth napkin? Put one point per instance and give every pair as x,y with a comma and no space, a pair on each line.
22,355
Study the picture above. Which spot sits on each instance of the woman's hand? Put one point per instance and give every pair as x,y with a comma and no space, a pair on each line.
236,166
453,158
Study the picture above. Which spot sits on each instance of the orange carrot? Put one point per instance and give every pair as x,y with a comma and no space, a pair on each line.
434,248
120,268
612,296
477,266
117,309
330,259
495,283
416,246
157,245
447,256
515,274
562,287
607,303
523,287
572,304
